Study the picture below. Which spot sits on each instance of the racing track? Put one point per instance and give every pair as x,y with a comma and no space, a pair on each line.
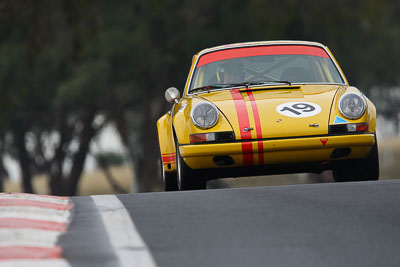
342,224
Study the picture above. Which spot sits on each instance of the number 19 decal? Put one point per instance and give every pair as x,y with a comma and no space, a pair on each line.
299,109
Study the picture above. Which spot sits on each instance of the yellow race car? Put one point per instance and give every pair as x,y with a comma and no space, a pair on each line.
266,108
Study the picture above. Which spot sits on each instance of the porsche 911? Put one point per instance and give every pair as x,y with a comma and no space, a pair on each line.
262,108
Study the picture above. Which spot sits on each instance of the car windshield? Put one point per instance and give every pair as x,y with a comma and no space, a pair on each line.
264,64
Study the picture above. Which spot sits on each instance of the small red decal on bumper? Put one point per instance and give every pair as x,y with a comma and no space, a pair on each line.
324,141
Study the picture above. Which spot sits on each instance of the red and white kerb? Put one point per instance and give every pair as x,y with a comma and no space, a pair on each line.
30,226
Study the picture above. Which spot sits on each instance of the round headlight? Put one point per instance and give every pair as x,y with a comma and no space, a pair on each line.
204,115
352,106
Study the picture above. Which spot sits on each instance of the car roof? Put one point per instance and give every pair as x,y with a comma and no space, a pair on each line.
259,43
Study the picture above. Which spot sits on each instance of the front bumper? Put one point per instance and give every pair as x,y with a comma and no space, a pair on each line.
277,151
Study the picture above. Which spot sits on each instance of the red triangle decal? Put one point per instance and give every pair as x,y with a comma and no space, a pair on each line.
324,141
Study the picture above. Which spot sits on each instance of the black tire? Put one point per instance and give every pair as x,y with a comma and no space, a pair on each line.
342,171
358,170
169,179
188,179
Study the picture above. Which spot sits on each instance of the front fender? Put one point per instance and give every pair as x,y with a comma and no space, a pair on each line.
166,142
369,115
183,125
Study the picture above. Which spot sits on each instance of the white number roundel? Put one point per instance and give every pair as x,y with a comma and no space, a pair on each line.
299,109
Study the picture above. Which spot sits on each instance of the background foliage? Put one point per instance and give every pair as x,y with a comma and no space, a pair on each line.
70,67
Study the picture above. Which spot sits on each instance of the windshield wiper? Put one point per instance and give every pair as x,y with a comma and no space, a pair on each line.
250,83
226,85
207,87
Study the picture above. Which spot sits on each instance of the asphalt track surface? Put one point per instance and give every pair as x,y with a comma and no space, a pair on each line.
334,224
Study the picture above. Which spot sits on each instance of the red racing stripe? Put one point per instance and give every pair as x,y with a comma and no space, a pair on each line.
258,127
243,118
34,203
27,252
260,51
18,223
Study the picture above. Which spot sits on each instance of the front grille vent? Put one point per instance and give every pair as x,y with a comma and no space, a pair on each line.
224,136
338,129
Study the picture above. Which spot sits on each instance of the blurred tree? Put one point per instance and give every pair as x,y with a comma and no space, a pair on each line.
104,161
41,53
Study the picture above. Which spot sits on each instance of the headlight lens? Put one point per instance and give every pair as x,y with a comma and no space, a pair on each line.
352,105
204,115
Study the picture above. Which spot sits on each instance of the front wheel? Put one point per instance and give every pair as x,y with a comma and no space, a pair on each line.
170,182
169,179
358,170
188,179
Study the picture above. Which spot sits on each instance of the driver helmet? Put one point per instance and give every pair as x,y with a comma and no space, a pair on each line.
230,72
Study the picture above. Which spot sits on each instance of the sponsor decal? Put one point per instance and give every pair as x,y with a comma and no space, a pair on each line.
299,109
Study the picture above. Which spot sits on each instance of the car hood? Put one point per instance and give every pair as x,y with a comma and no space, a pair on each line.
273,112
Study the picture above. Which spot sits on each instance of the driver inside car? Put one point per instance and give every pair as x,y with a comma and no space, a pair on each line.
232,72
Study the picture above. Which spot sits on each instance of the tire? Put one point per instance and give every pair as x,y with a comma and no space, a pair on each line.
170,182
358,170
169,179
188,179
342,171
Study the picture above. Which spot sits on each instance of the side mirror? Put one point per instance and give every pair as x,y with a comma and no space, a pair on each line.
172,95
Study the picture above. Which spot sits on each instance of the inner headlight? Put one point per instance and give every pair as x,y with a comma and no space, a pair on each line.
352,106
204,115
